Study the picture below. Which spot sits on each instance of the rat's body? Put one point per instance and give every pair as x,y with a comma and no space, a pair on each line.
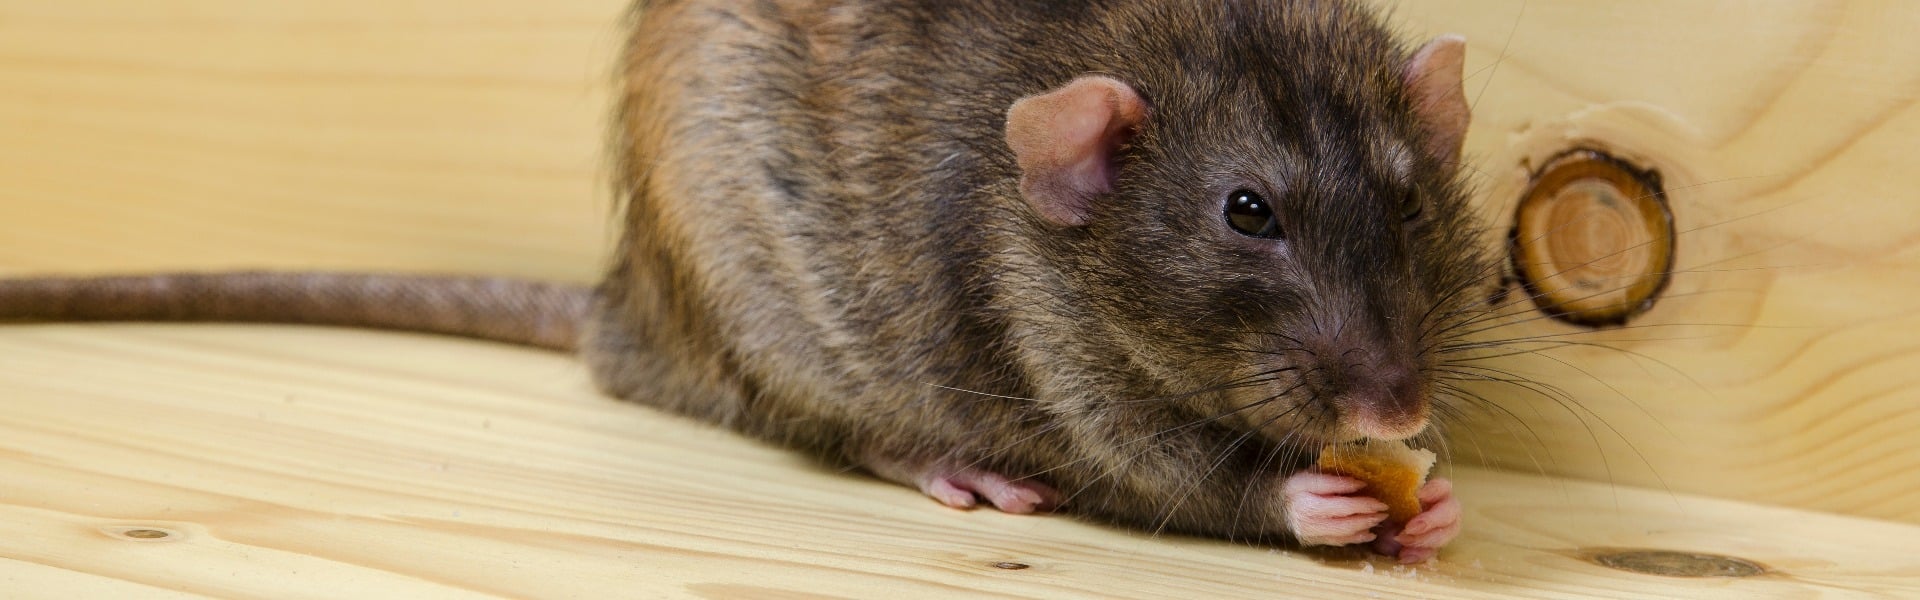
985,247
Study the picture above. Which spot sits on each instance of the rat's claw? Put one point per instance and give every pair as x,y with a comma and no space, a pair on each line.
1339,532
959,488
1423,536
964,486
1320,514
1321,483
945,491
1434,491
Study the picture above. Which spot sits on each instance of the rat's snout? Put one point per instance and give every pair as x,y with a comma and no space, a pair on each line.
1379,399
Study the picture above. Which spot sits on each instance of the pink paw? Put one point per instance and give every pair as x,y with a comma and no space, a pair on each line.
1421,538
1321,512
961,487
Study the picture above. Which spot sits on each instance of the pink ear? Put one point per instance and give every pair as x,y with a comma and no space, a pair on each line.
1434,77
1065,140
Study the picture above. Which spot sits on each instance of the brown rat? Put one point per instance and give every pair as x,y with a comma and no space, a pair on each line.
1140,258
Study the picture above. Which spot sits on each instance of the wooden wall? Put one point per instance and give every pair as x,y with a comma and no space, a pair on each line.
1780,365
464,136
454,135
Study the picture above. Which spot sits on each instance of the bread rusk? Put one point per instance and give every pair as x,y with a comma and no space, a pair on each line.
1393,471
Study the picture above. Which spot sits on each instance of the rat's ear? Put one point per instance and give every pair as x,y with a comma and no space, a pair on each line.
1433,75
1065,141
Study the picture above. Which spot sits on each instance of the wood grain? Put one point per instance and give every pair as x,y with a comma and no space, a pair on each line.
424,135
1780,365
303,462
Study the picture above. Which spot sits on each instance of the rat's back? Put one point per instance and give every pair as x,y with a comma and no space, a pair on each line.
798,185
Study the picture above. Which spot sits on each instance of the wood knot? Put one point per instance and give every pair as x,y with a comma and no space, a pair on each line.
138,533
1011,566
1670,563
1592,239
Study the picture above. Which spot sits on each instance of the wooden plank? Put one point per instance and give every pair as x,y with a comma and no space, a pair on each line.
303,462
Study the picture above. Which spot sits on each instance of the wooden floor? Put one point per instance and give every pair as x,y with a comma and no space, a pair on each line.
236,461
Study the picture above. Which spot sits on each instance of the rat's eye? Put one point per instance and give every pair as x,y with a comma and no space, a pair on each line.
1250,214
1410,206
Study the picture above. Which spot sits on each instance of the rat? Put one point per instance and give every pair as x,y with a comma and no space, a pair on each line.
1138,260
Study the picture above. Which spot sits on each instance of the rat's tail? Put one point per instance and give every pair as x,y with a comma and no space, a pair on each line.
523,312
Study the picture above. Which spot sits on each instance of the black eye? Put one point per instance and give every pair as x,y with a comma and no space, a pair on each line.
1410,206
1250,214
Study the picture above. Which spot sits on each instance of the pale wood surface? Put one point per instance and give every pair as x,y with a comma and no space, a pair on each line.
304,462
465,136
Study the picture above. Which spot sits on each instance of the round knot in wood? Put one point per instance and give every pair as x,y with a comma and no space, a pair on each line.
1676,564
137,533
1592,241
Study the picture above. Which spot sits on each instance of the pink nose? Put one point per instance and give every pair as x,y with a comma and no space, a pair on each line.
1390,407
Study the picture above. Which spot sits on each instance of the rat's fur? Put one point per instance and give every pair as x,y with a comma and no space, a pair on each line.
826,245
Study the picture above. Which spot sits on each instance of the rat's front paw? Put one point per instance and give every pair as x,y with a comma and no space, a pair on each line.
1321,511
1422,537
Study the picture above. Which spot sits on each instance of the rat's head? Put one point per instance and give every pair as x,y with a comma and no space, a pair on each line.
1287,234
